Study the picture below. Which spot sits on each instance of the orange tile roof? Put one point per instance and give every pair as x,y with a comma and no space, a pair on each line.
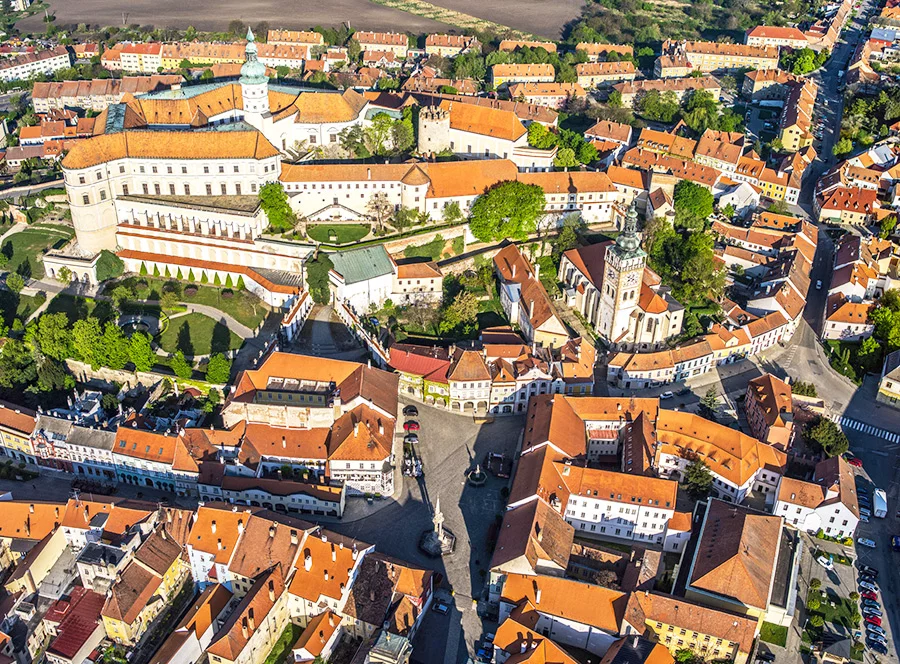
249,616
122,514
29,520
265,542
522,71
131,593
17,418
362,434
169,145
205,609
736,554
604,49
570,600
217,528
776,32
383,38
729,453
324,566
512,45
532,89
485,120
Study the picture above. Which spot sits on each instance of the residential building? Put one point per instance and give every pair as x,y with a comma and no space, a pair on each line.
510,45
396,42
449,46
716,56
768,35
525,300
632,90
603,74
796,121
554,95
29,65
17,426
289,37
504,75
636,651
848,205
770,411
734,564
827,504
76,627
680,624
96,94
601,52
889,383
739,464
192,636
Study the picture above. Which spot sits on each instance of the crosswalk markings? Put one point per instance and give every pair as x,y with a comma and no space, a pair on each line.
868,429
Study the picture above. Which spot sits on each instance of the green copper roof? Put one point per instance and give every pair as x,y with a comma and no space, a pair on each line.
362,264
628,243
253,72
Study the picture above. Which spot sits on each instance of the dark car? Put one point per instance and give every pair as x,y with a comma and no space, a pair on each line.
766,656
876,646
441,607
411,426
870,604
867,569
411,410
411,438
868,578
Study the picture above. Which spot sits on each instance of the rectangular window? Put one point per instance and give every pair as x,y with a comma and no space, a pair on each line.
224,189
144,187
209,190
86,199
103,198
156,189
171,189
124,189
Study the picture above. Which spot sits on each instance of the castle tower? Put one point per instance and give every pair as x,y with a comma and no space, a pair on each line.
434,130
254,85
621,291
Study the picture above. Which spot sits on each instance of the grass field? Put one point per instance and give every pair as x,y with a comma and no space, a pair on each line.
282,648
196,334
243,306
774,634
342,233
24,249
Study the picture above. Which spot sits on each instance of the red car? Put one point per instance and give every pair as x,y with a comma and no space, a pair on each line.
868,594
855,461
410,426
873,620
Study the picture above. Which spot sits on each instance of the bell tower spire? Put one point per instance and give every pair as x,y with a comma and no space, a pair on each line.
254,84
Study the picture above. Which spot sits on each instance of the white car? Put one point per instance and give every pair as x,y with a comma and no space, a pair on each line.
825,562
667,395
864,541
819,284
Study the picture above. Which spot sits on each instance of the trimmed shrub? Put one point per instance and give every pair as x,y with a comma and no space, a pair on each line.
228,293
191,275
240,282
143,269
203,278
216,280
228,281
190,291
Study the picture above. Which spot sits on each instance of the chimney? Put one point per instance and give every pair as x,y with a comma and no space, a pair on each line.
537,592
294,538
271,531
271,591
355,552
355,428
326,575
330,619
251,619
637,639
333,554
537,271
368,173
307,562
219,544
213,526
244,629
240,526
531,310
31,509
514,271
524,647
283,442
380,427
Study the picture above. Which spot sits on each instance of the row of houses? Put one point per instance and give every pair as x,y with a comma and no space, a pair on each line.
87,574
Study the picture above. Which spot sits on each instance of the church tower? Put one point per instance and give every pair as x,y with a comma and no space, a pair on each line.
254,85
621,290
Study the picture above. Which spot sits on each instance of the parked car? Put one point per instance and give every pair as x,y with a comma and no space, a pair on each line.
412,425
411,410
880,648
864,518
766,656
870,604
895,542
873,613
667,395
869,594
867,577
441,607
855,462
873,620
411,438
865,585
876,637
875,629
865,541
825,562
864,512
819,281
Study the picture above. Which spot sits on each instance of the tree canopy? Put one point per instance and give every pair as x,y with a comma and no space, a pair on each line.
274,202
317,278
508,210
828,437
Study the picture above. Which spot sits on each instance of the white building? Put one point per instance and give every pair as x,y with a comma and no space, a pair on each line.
28,65
828,503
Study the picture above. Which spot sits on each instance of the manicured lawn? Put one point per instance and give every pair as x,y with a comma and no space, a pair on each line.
282,648
243,305
196,334
24,249
14,306
775,634
338,233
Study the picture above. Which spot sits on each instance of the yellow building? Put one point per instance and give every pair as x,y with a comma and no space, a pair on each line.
201,53
506,74
144,588
16,428
715,56
679,625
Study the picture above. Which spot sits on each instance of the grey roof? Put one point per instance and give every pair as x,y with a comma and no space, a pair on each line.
101,554
362,264
634,650
883,34
52,424
100,439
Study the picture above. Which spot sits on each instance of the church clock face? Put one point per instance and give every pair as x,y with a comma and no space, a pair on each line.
610,274
632,279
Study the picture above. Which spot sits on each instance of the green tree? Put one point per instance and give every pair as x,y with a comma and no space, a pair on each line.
87,341
843,147
180,365
461,313
813,603
540,137
64,275
694,198
317,278
15,282
109,266
887,226
452,213
816,620
140,351
378,134
116,346
869,354
53,336
275,204
828,437
17,365
120,295
804,389
658,107
697,479
218,369
815,583
710,401
565,158
508,210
